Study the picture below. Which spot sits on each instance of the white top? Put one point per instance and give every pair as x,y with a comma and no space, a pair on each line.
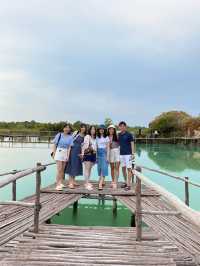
102,142
88,140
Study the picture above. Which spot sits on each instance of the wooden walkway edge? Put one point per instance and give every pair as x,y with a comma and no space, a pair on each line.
14,220
63,245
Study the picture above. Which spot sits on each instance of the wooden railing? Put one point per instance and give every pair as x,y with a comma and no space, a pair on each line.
185,180
191,214
12,179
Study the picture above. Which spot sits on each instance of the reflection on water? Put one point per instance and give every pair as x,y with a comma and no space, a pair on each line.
94,214
176,158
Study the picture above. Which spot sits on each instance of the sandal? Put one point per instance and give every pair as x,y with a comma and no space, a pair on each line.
71,186
89,186
76,184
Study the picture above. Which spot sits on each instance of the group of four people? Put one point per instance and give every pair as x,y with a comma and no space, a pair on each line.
75,154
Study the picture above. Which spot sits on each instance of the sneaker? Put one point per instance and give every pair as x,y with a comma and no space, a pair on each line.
89,186
63,185
71,186
127,188
59,188
124,185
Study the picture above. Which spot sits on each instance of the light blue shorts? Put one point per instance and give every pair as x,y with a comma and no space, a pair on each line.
102,163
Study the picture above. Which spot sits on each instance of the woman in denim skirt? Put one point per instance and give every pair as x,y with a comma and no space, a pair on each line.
102,154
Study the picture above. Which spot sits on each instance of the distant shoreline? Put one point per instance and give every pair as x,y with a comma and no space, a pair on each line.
47,139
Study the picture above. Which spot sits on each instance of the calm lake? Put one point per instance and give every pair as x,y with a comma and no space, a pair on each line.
176,159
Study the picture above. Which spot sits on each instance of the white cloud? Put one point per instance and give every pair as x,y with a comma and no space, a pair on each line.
35,32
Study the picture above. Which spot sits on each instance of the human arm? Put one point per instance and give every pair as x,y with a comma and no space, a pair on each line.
69,148
133,147
86,144
55,144
131,138
68,153
108,149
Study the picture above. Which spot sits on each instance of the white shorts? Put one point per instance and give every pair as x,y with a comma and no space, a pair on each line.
114,155
61,155
126,161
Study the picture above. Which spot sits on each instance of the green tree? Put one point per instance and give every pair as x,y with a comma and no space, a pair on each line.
170,123
108,121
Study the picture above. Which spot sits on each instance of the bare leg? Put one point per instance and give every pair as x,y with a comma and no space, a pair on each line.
101,180
59,174
70,180
117,165
87,171
112,166
130,174
73,181
124,173
63,172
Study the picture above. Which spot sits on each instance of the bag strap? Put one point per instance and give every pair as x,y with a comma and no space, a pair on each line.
75,136
58,140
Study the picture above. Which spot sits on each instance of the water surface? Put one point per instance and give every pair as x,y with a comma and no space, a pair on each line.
176,159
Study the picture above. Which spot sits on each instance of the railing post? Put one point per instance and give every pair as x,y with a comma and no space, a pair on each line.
14,187
138,213
187,201
14,197
37,200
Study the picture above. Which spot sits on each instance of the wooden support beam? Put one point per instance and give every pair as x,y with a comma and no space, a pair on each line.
37,199
187,202
14,196
138,215
114,206
75,205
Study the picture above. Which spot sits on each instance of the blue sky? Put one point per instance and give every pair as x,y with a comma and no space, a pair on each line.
87,60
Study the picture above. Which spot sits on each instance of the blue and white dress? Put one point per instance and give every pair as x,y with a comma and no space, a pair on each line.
63,143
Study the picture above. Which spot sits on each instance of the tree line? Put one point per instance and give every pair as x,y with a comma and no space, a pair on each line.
167,124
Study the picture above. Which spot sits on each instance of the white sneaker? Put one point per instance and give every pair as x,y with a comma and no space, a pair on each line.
89,186
59,188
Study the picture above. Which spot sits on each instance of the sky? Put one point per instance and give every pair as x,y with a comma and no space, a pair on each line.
87,60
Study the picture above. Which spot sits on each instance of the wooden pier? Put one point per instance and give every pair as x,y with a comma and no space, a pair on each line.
170,237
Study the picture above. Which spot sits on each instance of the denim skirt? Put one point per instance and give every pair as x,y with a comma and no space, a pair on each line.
102,164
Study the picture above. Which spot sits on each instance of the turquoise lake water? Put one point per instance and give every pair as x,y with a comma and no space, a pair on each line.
176,159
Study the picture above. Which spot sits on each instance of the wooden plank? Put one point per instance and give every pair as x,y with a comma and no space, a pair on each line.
102,246
80,189
18,203
16,219
176,229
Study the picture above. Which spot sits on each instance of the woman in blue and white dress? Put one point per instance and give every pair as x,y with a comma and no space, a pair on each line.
74,166
62,144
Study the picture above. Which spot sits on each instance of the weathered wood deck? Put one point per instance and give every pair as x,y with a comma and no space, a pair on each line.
64,245
106,191
16,219
169,240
